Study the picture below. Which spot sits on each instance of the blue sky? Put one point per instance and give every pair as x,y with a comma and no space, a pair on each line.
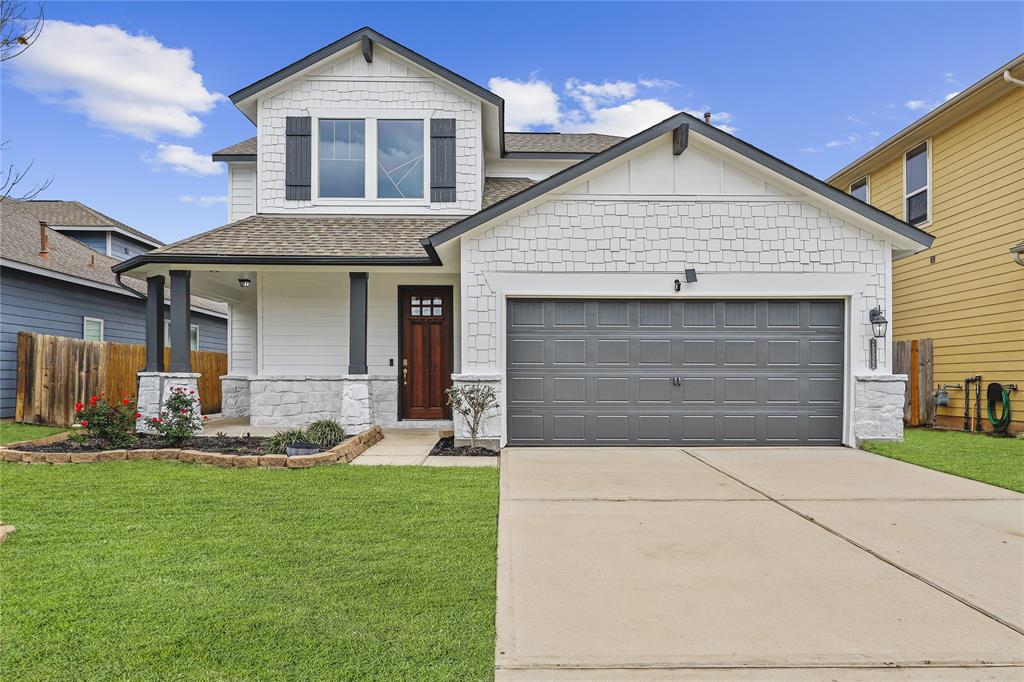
119,117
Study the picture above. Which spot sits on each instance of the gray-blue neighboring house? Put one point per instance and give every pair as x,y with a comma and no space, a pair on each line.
55,278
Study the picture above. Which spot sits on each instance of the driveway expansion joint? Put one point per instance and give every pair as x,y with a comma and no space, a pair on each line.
881,557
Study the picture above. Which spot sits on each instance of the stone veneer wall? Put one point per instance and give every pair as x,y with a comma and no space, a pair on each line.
234,392
878,406
298,400
155,389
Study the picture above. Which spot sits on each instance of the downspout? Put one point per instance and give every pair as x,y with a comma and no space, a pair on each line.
1018,253
117,278
1010,79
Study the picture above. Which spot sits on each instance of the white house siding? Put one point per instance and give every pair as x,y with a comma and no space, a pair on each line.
241,190
243,338
387,83
303,323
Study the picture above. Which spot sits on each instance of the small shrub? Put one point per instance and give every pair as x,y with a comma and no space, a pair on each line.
111,422
77,434
326,433
276,444
472,401
179,419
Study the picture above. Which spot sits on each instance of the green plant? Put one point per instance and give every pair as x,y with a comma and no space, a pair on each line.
325,432
277,443
77,434
111,422
472,401
179,419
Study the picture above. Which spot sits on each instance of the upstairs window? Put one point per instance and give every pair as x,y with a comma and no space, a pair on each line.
859,189
371,158
916,182
342,158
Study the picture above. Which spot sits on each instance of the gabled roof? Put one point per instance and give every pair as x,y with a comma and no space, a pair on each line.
240,151
629,144
352,39
60,213
67,258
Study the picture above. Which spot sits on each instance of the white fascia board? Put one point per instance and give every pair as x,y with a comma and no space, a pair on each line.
81,281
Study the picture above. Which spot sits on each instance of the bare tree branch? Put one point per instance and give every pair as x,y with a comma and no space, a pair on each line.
19,27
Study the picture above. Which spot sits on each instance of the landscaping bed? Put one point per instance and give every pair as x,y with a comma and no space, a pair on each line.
228,445
445,447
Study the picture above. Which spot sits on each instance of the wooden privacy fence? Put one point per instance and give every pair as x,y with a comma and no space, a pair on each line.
914,358
55,372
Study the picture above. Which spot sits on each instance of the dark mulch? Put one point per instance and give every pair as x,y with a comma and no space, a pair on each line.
446,448
228,445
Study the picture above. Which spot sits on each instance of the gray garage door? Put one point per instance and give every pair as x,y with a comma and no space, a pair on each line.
695,372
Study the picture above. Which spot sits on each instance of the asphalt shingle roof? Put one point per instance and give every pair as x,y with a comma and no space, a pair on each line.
573,143
76,214
20,242
342,236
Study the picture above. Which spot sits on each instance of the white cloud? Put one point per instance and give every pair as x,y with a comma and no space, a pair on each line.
624,119
832,144
914,104
855,119
204,200
184,160
128,83
951,78
950,95
657,83
719,119
527,104
592,95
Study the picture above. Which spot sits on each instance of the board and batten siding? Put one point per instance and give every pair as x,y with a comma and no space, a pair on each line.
123,248
43,305
241,190
242,356
970,301
97,241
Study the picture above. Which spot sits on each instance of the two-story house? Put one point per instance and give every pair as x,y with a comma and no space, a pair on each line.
389,238
55,278
959,173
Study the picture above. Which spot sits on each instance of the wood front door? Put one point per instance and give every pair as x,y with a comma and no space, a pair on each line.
426,363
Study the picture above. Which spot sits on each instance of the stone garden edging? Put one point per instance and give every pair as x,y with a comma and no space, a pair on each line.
344,452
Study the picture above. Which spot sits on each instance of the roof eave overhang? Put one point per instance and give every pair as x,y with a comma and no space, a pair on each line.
206,259
234,157
809,182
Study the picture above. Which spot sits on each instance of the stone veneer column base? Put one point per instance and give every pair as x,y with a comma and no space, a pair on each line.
878,407
297,400
490,427
234,396
155,388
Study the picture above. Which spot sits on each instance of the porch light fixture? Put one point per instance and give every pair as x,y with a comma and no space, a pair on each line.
878,327
244,282
690,275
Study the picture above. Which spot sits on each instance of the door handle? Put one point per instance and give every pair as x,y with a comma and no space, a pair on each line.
405,376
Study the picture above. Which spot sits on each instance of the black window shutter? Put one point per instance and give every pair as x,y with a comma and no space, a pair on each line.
442,159
298,160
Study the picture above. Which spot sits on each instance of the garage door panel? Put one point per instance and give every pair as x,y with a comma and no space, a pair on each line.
675,372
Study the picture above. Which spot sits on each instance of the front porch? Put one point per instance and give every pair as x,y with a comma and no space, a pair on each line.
362,347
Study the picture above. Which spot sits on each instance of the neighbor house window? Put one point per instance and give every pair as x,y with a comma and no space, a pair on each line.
916,172
342,157
400,159
859,189
92,329
193,335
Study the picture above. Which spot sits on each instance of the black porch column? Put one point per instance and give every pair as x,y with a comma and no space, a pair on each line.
155,323
357,323
181,321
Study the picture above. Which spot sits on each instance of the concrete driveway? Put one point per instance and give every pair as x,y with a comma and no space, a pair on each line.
767,563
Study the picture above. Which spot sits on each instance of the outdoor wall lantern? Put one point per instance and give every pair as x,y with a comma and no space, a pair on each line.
878,327
691,276
244,282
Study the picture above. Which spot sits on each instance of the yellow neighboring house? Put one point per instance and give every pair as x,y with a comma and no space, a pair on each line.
958,173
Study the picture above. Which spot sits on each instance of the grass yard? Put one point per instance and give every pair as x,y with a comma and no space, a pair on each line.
12,432
164,570
999,461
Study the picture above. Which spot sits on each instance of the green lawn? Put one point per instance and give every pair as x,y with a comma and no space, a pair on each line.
164,570
12,432
999,461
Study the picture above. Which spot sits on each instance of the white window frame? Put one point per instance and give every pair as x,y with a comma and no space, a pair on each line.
193,328
928,182
370,118
87,320
867,187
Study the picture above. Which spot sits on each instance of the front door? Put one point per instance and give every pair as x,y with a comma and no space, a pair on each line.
426,368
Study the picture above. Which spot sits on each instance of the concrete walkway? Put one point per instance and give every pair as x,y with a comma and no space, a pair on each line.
754,564
405,446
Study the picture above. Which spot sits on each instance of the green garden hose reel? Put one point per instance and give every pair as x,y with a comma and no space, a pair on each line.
997,393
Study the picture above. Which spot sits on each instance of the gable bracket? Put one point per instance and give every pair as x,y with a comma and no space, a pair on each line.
367,48
680,138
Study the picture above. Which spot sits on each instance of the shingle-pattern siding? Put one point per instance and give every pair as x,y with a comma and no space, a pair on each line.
325,92
39,304
662,236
